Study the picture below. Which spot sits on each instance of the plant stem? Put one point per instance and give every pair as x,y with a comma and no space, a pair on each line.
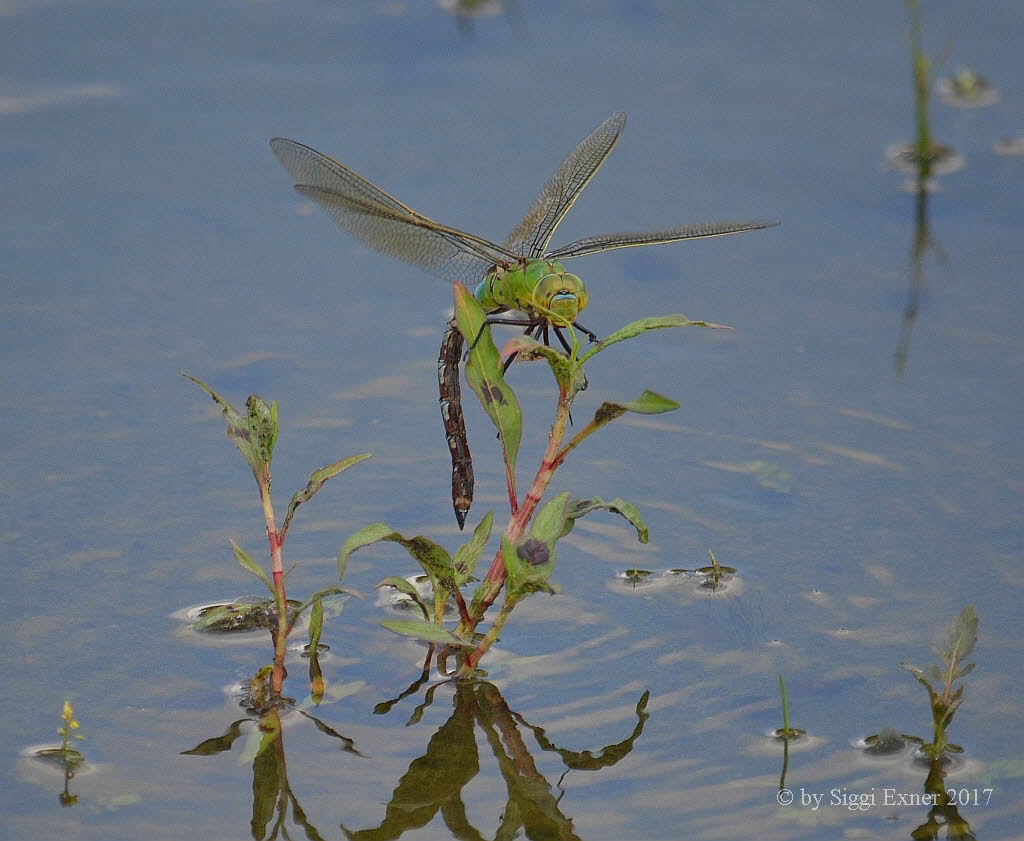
919,66
492,635
280,634
520,519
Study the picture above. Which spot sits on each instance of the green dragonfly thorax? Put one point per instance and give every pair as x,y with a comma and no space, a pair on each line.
535,287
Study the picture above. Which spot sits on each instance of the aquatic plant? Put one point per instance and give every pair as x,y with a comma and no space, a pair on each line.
785,733
255,434
944,693
66,756
525,560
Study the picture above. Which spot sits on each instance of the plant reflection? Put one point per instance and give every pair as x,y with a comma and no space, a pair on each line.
272,794
466,11
944,813
925,158
434,782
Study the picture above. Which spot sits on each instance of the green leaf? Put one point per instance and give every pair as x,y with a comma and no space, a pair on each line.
262,423
468,554
407,588
434,558
648,403
316,624
249,564
320,594
485,376
549,523
364,537
642,325
528,565
238,428
581,507
317,479
425,631
961,637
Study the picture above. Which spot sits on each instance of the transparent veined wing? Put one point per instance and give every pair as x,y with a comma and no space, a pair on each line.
533,233
382,222
700,230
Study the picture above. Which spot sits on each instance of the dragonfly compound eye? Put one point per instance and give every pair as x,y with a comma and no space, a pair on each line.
562,295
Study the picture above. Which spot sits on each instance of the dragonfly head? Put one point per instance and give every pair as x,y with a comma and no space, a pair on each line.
560,294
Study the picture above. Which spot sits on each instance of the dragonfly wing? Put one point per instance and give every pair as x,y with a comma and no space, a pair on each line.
607,242
312,169
382,222
444,252
532,235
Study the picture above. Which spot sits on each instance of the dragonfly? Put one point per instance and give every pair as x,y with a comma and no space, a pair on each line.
522,281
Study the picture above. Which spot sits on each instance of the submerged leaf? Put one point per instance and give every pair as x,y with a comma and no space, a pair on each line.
425,631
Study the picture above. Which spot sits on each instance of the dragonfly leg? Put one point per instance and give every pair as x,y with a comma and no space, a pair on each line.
590,334
515,322
512,356
561,338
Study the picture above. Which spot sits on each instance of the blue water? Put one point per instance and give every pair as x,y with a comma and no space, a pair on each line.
148,229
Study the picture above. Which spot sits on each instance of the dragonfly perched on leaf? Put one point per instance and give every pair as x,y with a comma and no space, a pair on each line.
522,275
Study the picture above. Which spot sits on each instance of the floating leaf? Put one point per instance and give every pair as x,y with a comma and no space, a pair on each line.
249,564
425,631
466,556
642,325
485,375
317,479
406,588
227,618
